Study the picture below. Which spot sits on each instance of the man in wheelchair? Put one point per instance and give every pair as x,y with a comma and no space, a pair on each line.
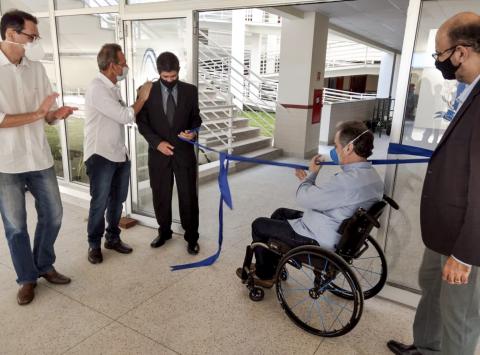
326,205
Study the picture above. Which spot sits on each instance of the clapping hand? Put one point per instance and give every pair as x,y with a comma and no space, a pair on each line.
63,112
45,106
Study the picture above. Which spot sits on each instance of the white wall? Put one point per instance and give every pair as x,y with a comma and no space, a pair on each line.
335,113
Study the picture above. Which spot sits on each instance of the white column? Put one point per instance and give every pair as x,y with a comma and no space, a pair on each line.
385,75
302,52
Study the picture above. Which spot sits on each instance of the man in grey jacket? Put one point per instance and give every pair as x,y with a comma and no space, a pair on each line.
326,205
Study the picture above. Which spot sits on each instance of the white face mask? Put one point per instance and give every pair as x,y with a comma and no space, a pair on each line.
124,74
33,50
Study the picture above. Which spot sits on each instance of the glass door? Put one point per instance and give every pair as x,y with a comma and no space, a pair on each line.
145,40
428,111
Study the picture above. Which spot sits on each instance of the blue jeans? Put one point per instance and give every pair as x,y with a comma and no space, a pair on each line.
108,189
44,188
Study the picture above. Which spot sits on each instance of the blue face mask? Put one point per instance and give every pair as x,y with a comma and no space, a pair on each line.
334,156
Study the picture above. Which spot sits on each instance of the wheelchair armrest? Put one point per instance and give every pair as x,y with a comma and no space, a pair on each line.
372,220
391,202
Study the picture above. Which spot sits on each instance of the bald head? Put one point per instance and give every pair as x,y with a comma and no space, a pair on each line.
458,40
461,28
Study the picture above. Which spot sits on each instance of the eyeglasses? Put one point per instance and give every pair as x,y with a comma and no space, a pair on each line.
436,55
33,38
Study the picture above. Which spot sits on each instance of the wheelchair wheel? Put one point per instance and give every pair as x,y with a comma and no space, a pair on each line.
305,295
283,274
370,269
256,294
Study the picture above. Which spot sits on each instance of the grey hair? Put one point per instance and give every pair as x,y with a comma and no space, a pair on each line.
351,130
107,55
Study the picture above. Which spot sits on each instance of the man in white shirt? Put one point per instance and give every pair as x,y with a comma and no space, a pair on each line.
26,100
106,156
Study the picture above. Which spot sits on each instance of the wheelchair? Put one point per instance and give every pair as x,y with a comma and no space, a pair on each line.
322,291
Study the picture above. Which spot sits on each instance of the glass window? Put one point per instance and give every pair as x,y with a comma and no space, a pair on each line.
24,5
79,39
78,4
149,39
52,131
429,109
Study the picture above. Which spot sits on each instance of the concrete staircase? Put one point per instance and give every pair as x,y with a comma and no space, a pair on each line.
216,113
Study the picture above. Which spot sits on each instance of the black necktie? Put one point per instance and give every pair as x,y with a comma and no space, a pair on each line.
170,108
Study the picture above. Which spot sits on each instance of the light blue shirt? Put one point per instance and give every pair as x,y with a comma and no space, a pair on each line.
165,93
466,93
326,206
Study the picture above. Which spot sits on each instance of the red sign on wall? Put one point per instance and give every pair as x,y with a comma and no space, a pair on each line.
317,105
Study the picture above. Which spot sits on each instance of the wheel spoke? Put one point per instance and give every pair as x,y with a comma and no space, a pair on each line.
300,302
320,314
298,282
366,270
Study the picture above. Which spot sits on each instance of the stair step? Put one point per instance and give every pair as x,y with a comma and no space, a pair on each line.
238,134
211,94
245,146
212,102
223,122
209,171
269,153
217,115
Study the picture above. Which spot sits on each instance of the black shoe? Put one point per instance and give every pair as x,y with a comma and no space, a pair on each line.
118,246
95,255
160,240
402,349
193,249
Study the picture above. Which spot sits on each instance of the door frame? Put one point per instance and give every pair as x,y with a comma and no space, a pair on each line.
126,35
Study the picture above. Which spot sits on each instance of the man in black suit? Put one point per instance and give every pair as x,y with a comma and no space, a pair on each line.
171,113
448,315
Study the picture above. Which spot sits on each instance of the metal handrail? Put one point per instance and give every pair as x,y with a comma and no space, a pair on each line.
335,96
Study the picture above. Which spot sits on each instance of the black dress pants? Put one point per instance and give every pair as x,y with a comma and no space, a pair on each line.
161,182
275,228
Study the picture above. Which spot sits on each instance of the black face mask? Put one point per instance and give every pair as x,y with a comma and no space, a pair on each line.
447,68
170,85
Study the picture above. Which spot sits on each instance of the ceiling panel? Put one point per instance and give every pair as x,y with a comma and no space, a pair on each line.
381,21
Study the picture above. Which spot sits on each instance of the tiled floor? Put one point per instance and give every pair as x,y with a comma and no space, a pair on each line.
134,304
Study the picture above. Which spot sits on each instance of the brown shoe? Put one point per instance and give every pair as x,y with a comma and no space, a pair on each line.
26,293
239,272
56,278
263,283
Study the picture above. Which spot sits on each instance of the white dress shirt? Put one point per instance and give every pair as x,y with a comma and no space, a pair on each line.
23,87
105,117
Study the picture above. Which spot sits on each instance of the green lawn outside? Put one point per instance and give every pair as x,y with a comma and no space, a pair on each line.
261,119
75,148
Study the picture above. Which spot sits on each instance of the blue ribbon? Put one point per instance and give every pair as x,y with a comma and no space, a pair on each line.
226,196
